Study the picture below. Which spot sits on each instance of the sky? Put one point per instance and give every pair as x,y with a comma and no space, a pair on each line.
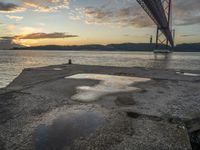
80,22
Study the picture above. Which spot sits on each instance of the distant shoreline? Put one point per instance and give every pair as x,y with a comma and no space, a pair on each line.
96,50
193,47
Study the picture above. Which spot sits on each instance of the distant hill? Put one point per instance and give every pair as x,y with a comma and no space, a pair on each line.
193,47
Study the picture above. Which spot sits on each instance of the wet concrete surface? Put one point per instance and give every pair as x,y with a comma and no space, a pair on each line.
38,111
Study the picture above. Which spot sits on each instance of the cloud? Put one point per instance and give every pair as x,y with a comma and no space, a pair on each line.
128,16
190,20
114,13
9,7
17,18
186,7
7,43
129,13
9,28
54,35
36,5
189,35
186,12
29,29
41,24
45,5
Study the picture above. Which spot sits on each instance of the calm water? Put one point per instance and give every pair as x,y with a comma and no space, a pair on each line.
13,62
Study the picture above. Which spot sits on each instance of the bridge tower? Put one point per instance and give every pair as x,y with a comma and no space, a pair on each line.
160,11
160,37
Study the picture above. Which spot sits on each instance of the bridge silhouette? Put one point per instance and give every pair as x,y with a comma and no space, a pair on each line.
160,11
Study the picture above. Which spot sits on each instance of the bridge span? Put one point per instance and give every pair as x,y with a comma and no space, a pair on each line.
160,11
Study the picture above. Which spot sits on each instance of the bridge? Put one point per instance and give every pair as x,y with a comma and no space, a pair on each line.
160,11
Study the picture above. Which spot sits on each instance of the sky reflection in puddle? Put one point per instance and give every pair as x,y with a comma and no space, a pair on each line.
188,74
108,84
66,129
57,69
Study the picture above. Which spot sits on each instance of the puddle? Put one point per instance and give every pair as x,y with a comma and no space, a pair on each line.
188,74
195,140
108,84
63,131
57,69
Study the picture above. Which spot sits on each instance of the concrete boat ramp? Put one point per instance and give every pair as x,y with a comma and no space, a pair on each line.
78,107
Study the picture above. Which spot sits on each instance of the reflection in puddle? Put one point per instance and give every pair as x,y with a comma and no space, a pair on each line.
66,129
109,84
188,74
57,69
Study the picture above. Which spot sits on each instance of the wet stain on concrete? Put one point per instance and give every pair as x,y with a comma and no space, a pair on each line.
144,116
124,100
39,110
2,145
133,115
5,104
65,130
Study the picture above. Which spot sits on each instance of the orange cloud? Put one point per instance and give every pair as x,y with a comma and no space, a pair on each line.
35,38
44,36
45,5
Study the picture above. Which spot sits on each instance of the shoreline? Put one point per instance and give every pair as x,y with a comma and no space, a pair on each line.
96,50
